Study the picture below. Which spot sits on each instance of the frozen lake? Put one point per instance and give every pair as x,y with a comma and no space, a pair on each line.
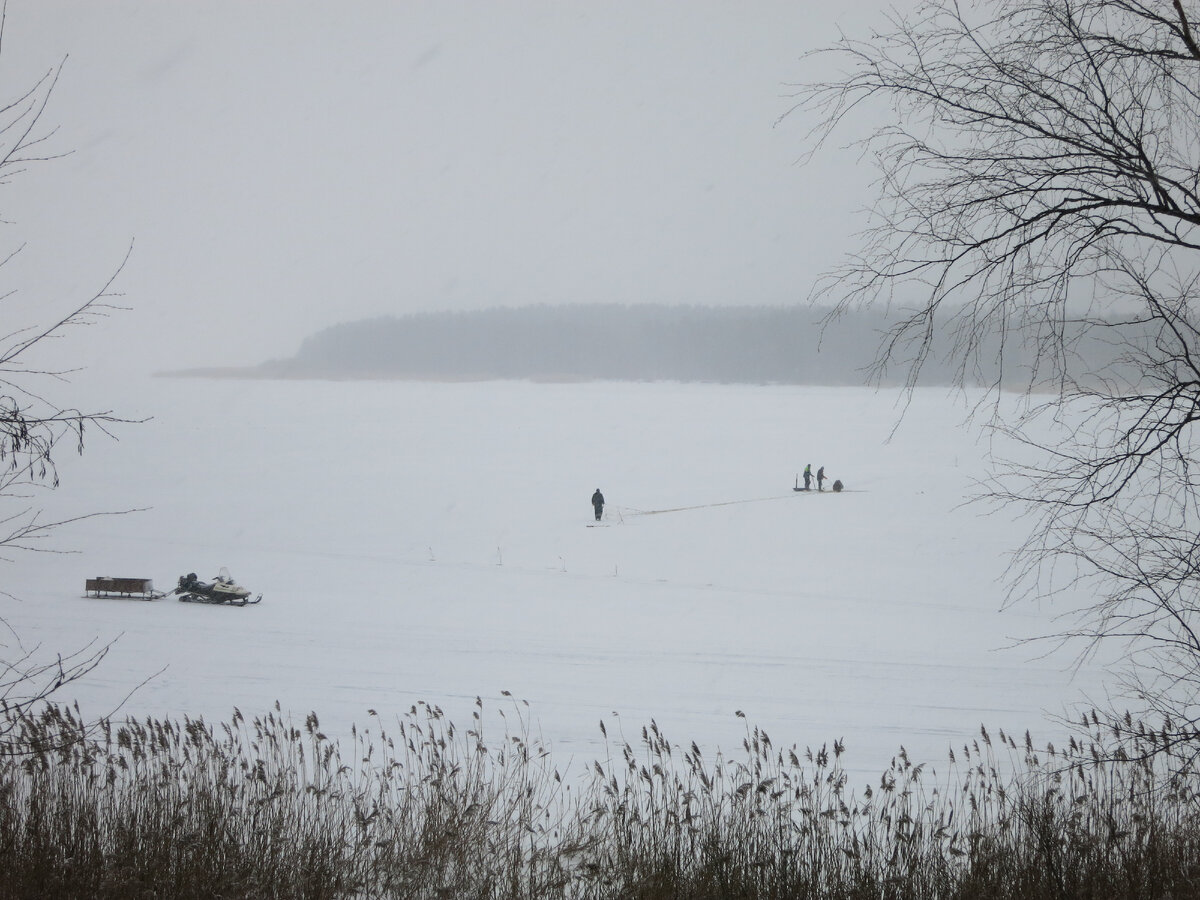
418,541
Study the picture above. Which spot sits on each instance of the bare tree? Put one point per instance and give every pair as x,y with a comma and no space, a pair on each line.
33,426
1038,208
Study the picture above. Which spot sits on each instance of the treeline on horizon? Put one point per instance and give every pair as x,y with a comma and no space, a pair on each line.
757,345
613,342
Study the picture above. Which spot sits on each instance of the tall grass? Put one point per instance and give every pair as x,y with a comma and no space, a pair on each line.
261,808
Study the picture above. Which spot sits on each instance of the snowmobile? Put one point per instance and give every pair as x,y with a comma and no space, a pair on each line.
222,589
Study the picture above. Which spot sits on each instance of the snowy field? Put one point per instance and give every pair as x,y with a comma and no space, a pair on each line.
430,542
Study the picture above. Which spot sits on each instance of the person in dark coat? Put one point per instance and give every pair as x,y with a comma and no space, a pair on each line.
598,503
820,478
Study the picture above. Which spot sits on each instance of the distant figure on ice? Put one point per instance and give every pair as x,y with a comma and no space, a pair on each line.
820,478
808,476
598,503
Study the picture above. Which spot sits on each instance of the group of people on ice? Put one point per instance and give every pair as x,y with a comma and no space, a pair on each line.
820,479
598,498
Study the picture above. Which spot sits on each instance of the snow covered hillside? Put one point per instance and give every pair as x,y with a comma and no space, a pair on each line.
419,541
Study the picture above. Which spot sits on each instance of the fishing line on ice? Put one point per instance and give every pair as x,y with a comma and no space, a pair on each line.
654,512
633,511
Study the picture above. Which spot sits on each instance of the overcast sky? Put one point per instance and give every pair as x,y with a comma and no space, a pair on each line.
280,167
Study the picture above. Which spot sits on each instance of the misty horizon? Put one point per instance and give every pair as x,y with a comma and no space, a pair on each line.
794,345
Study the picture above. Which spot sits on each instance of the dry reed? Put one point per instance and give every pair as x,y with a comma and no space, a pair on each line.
261,808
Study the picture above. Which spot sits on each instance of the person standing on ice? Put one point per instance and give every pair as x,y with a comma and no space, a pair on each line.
598,503
820,478
808,476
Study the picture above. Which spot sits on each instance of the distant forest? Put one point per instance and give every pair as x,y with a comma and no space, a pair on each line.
758,345
753,345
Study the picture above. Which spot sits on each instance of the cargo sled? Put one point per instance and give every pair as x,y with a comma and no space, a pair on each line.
132,588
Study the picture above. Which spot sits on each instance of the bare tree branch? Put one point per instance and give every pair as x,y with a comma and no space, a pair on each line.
1038,212
32,427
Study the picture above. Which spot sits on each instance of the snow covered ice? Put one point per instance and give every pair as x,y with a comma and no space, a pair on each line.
419,541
